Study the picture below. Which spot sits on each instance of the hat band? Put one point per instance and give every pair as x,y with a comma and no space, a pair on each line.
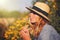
39,10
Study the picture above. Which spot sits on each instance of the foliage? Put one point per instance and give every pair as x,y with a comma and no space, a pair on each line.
13,30
6,14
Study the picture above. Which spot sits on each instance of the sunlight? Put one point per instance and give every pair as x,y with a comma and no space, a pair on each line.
3,1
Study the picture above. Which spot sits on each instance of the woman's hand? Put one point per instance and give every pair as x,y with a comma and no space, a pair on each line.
24,33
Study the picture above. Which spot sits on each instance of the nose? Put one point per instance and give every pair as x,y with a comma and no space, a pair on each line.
32,21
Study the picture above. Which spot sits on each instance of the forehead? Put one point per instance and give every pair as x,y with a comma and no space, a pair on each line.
34,13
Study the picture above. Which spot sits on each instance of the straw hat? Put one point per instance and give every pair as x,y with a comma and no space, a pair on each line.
41,9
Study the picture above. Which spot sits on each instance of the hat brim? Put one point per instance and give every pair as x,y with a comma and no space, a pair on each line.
39,13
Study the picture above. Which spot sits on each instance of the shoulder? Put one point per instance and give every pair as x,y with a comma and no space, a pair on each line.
49,29
48,32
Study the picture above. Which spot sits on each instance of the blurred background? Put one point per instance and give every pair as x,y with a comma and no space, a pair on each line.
13,12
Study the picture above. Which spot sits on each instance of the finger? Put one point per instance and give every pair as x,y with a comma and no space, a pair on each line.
26,31
21,33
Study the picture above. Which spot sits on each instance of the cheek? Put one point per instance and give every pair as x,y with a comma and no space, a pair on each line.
33,19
